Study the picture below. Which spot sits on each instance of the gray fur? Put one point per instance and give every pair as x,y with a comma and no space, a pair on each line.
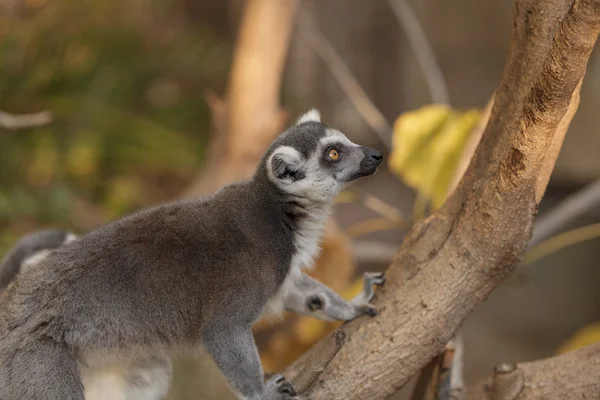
137,379
28,246
311,297
182,274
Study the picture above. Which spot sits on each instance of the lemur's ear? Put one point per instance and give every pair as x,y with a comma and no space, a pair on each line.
287,164
313,115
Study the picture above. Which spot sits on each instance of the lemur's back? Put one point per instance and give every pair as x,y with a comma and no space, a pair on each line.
125,277
125,295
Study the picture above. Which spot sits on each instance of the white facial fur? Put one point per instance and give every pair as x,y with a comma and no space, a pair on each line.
318,184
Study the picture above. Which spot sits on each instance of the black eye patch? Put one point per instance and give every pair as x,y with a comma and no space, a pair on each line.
325,161
334,145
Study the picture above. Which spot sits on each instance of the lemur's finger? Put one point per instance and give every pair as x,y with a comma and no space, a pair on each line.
369,309
375,278
282,385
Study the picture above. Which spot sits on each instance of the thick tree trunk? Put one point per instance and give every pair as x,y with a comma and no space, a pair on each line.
451,261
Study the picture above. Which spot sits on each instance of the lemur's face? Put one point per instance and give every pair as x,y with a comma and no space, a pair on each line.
314,161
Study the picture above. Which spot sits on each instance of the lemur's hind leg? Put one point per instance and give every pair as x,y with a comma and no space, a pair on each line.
42,370
310,297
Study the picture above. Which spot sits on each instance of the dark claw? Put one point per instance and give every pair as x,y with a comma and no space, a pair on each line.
280,379
287,388
371,312
314,303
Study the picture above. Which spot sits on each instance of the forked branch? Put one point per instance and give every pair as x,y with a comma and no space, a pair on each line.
574,375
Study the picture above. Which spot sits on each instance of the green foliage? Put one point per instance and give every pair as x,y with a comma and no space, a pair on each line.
124,81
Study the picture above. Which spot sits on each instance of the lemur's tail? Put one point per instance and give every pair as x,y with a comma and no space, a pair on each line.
28,246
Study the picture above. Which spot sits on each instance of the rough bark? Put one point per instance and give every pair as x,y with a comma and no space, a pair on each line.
451,261
574,375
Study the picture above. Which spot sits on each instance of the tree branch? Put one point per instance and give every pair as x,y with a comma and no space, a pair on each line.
14,122
452,260
250,118
341,73
423,51
574,206
574,375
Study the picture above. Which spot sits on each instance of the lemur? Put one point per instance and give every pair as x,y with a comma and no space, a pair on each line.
184,274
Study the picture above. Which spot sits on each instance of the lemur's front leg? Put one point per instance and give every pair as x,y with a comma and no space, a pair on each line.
308,296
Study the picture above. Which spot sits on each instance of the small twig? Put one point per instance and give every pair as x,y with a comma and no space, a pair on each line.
574,206
372,225
14,122
340,71
429,374
442,378
560,242
457,381
373,252
372,202
379,206
423,51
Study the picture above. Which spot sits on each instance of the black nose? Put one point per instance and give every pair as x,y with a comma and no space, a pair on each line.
374,155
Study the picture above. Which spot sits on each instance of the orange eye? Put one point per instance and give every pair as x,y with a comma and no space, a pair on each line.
333,154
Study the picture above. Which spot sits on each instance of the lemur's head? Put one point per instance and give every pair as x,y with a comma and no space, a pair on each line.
314,161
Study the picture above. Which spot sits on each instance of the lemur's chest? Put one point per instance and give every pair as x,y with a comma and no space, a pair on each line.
307,240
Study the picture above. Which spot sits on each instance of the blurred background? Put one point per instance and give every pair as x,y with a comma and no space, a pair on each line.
108,106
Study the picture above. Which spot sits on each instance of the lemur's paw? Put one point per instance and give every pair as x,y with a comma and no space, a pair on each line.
375,278
280,385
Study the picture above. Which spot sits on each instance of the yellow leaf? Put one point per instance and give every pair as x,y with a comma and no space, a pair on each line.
427,144
585,336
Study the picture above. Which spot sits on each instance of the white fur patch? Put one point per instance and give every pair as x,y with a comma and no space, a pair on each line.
315,192
307,241
127,382
34,259
40,255
313,115
334,136
70,237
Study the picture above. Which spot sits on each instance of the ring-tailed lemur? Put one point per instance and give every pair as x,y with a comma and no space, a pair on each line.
190,272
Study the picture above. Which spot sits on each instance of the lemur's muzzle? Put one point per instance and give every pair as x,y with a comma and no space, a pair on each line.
370,162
